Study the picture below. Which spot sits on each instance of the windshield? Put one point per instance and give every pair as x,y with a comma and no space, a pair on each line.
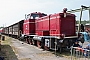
34,16
44,14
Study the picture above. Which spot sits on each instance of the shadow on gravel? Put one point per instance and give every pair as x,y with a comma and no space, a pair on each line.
7,52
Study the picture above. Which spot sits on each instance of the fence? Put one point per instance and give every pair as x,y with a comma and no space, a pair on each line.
80,53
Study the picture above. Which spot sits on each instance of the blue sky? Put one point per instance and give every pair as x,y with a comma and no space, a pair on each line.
12,11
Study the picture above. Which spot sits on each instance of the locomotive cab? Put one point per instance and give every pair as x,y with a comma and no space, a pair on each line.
29,24
35,15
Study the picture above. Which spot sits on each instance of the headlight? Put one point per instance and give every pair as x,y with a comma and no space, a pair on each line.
25,36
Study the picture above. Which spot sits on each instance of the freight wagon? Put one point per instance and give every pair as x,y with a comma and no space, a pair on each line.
14,30
17,29
10,30
5,31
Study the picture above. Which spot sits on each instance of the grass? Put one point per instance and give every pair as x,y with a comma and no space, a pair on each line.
8,53
65,53
7,41
6,50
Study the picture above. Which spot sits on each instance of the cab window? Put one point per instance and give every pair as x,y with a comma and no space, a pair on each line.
44,14
34,16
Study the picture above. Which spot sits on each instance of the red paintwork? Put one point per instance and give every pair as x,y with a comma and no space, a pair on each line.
62,25
56,25
53,25
29,26
39,24
42,26
1,30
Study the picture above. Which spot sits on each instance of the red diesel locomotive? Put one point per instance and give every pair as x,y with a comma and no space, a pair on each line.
54,31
